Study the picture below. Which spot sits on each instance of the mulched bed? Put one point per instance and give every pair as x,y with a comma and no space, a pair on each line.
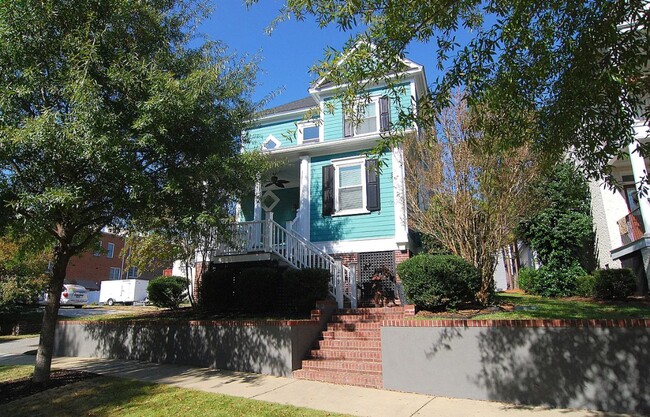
20,388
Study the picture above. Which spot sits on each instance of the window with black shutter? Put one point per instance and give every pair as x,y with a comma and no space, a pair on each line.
384,114
328,190
373,202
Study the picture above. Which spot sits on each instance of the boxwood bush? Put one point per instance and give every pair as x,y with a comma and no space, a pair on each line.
585,286
302,288
432,281
614,284
167,292
256,290
528,279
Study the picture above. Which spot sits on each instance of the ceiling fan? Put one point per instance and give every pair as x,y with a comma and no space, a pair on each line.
277,182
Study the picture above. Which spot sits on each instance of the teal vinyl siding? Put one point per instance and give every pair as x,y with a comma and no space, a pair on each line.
285,210
333,121
280,131
379,224
247,208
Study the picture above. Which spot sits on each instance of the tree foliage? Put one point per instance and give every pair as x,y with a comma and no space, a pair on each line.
580,67
22,272
466,198
108,116
560,231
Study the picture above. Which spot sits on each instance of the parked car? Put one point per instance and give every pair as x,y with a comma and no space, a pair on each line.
71,295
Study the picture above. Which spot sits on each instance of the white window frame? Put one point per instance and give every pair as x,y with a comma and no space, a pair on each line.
271,139
128,272
110,250
110,273
343,163
373,100
306,124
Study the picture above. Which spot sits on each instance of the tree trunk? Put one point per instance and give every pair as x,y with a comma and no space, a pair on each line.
46,342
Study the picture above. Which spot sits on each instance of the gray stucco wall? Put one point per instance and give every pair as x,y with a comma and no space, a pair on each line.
598,368
266,349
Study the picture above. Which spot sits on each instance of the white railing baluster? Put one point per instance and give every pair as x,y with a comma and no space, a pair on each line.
269,236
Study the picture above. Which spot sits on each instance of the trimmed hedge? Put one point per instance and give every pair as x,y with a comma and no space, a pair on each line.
257,290
614,284
302,288
167,292
432,281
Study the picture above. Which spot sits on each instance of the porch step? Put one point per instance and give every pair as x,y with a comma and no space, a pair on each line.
336,377
371,355
349,351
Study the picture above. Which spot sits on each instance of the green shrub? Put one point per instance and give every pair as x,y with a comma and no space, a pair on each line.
167,292
585,286
527,279
439,280
614,284
256,290
302,288
552,280
216,290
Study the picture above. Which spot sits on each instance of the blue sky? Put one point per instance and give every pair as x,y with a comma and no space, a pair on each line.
287,54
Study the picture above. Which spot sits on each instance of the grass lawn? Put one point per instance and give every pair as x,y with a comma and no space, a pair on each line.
514,306
9,372
105,396
9,338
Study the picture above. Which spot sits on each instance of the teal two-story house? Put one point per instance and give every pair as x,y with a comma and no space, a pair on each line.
328,205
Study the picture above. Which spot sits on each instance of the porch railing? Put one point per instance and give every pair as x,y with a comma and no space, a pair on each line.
631,227
268,236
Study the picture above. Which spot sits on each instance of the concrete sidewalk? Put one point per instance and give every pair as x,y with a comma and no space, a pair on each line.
315,395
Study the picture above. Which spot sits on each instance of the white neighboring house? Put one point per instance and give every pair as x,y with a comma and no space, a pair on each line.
622,217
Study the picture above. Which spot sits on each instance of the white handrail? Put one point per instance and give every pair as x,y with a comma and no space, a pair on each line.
269,236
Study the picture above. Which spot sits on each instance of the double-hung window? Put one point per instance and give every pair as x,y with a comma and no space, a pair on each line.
371,117
350,186
132,272
115,273
110,250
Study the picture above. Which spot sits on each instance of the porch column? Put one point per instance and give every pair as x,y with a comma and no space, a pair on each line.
304,211
257,209
640,172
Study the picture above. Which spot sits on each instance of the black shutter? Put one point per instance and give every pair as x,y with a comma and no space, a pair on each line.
347,127
328,190
373,202
384,114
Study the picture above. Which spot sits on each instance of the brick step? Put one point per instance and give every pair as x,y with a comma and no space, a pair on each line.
343,365
365,318
337,377
357,335
351,327
367,355
349,344
368,310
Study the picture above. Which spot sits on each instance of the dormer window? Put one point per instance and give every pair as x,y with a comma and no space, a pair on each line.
271,143
308,132
372,118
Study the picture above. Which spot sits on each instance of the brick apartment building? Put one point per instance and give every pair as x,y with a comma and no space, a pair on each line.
107,262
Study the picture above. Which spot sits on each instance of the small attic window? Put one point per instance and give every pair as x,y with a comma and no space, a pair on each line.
271,143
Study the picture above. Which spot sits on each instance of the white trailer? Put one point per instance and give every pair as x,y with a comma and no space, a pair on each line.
125,291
